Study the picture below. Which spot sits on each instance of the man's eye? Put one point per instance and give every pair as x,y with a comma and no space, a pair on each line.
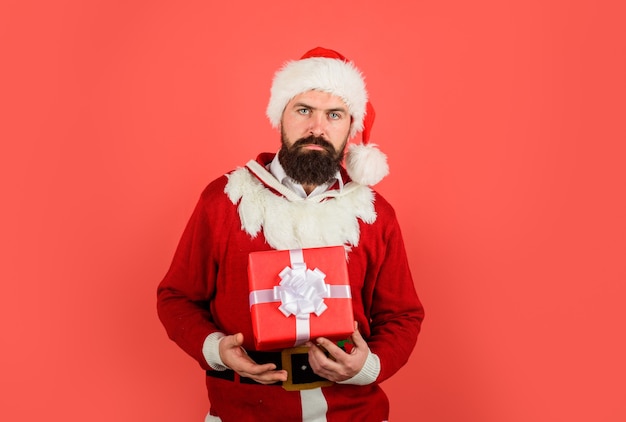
303,111
334,115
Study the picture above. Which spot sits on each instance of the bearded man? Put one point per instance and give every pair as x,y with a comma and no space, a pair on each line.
300,198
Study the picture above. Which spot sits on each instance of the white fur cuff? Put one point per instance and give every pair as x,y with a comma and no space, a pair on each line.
369,372
211,351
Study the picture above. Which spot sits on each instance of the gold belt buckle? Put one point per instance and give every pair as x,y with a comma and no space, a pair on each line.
289,385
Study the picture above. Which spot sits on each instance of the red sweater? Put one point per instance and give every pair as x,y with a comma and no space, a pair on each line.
206,290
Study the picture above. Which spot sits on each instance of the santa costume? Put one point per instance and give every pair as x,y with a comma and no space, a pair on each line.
205,293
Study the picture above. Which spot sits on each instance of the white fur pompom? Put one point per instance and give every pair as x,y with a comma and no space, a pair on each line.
366,164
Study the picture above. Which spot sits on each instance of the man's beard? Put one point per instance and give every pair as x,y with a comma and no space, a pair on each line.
310,167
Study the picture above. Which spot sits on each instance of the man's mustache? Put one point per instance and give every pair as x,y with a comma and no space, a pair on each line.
314,140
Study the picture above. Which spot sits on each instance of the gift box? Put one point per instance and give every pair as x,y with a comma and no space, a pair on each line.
299,294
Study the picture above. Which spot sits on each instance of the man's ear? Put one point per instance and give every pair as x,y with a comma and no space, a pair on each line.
351,123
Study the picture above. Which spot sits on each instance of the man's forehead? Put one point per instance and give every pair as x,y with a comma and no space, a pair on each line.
320,99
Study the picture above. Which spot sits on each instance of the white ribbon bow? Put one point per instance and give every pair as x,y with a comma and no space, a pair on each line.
301,291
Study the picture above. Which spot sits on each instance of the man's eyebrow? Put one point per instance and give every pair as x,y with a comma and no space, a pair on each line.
341,109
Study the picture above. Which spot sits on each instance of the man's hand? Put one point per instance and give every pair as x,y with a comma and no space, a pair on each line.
343,365
236,358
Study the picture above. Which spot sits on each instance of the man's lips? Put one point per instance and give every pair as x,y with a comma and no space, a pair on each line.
313,147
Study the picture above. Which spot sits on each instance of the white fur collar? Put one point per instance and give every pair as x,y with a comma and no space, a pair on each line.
290,222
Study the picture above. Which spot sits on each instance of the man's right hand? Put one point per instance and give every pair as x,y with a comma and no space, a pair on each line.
235,357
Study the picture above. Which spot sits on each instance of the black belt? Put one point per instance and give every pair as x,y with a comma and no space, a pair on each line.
295,361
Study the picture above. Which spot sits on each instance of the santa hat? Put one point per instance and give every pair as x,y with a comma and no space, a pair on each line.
326,70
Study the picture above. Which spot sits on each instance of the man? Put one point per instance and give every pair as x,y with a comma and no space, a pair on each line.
301,197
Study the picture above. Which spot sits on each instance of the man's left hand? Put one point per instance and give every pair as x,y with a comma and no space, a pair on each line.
343,365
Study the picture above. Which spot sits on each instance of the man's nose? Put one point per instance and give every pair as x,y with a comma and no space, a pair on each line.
317,124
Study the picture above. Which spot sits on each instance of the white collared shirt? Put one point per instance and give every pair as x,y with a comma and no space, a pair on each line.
279,173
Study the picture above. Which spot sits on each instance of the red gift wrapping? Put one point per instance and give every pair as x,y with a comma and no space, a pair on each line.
300,294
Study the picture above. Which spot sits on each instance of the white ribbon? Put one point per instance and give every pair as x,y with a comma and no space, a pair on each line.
301,292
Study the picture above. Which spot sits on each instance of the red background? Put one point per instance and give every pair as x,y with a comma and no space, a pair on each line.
504,126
